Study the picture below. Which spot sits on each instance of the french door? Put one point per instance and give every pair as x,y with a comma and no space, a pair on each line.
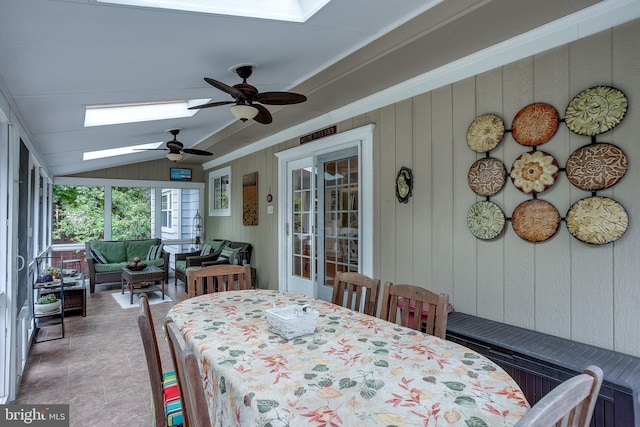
322,217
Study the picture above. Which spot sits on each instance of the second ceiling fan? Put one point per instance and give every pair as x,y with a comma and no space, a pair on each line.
247,99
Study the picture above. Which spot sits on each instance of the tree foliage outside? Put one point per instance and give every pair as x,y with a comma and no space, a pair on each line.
79,213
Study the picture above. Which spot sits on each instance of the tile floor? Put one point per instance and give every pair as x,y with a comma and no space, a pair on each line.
99,367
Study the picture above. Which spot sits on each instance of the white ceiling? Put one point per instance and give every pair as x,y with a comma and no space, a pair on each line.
57,56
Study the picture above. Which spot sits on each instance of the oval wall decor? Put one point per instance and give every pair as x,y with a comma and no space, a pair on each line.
535,124
487,176
485,133
595,110
485,220
534,172
596,166
535,220
597,220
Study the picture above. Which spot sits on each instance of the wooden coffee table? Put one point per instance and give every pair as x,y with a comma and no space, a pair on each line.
143,281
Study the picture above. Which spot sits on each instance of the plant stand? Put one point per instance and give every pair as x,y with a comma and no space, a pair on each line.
48,317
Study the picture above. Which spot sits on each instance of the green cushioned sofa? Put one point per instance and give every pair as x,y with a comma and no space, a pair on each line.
118,253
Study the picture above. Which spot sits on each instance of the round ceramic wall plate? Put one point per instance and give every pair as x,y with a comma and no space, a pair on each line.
534,172
595,110
485,220
487,176
596,166
597,220
535,220
535,124
485,133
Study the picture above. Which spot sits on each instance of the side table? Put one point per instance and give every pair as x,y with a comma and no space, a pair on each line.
142,281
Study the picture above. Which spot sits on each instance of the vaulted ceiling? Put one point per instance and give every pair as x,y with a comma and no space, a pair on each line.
58,56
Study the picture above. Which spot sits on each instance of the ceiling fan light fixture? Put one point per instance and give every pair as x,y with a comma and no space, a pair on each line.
174,157
244,112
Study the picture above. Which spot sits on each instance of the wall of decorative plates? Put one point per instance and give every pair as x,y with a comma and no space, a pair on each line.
593,167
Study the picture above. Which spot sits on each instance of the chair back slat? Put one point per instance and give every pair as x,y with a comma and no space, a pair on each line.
356,291
570,404
194,401
218,278
154,363
411,301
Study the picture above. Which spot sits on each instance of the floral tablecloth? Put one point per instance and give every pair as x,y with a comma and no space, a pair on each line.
355,370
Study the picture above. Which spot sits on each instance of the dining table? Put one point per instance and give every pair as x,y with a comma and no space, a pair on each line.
354,370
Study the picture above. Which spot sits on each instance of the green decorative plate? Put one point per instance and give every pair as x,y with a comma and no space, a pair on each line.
597,220
485,220
595,110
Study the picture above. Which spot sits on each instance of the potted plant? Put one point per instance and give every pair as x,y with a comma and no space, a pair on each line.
47,304
53,272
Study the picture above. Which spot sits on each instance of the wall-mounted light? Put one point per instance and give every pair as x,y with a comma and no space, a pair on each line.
244,112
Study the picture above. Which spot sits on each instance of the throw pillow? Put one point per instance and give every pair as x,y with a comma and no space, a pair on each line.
206,250
227,252
98,257
155,252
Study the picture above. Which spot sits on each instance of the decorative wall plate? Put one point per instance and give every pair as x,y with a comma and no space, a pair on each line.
596,166
595,110
487,176
535,124
404,184
485,133
535,220
485,220
597,220
534,172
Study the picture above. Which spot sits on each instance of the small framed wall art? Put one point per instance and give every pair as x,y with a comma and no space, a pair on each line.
180,174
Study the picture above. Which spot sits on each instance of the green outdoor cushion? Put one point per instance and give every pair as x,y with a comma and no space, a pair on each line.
139,248
181,265
116,266
112,251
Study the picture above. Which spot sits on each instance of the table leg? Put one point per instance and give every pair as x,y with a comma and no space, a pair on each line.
163,282
122,283
132,287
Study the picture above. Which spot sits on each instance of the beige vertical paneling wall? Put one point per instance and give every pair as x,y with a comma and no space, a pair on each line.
562,286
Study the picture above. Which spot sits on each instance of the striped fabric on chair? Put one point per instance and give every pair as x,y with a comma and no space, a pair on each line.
166,406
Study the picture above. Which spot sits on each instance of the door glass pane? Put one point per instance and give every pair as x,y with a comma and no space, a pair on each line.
130,213
341,217
301,227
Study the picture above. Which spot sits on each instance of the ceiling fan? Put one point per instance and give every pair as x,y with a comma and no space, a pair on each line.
176,148
247,99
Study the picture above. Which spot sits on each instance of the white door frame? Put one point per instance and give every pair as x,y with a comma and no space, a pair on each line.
362,138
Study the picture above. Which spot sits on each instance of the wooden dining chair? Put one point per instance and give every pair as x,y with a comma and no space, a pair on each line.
218,278
570,404
349,288
194,400
410,301
165,396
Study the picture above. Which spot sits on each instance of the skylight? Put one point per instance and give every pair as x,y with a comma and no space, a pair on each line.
111,114
281,10
101,154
